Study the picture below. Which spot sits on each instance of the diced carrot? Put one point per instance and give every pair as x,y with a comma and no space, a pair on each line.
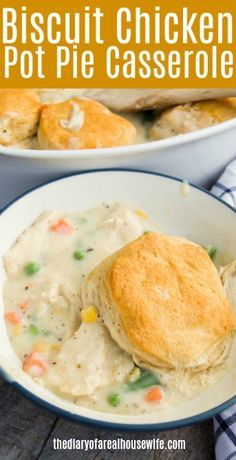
12,317
61,227
35,364
153,395
24,305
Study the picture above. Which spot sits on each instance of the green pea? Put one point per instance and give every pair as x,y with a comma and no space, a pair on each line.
32,268
114,399
146,232
211,250
34,330
146,379
78,255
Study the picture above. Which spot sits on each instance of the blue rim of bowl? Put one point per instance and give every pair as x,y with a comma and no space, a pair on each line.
100,423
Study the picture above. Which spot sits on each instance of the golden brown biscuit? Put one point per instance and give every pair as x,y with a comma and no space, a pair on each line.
191,117
162,300
82,124
19,115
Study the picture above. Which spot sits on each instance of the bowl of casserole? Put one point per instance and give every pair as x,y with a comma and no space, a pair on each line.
70,252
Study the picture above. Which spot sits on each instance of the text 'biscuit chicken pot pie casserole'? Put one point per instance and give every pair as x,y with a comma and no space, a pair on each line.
108,312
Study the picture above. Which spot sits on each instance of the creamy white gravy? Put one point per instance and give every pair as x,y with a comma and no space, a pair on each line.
77,359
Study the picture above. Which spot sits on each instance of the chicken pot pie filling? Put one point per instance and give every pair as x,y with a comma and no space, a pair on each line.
63,342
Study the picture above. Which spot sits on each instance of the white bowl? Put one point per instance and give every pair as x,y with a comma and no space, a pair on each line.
199,157
198,216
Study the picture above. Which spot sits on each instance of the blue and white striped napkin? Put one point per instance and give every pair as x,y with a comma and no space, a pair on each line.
225,187
225,423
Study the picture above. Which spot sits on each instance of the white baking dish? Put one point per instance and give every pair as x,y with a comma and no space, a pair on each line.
198,156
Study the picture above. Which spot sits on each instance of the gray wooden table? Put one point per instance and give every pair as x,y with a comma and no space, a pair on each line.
27,431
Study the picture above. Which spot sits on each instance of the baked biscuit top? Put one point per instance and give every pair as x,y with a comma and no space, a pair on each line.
83,124
170,299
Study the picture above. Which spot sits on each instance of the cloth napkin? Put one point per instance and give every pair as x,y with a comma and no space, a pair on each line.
225,187
225,423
